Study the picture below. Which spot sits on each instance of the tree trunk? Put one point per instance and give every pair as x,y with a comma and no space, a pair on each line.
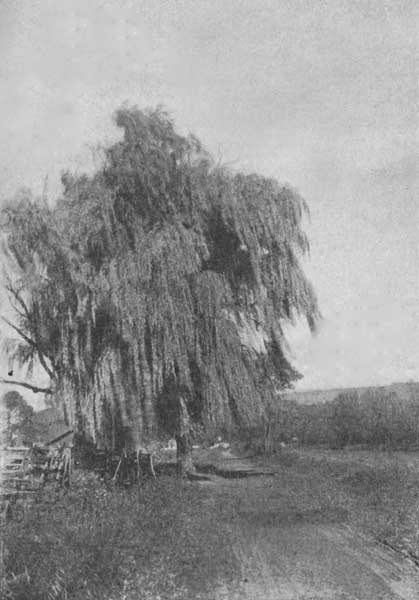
185,464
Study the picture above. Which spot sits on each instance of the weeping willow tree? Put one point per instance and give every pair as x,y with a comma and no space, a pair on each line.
154,293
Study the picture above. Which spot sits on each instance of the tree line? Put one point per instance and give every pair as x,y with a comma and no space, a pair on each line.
375,418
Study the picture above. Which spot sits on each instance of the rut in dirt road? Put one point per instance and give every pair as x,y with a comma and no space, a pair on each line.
288,553
287,560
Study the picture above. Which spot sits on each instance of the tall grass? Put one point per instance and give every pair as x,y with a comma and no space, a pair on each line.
163,541
382,497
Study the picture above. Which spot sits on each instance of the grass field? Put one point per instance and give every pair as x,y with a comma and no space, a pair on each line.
184,540
378,491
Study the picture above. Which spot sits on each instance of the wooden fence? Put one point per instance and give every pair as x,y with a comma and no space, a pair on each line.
26,473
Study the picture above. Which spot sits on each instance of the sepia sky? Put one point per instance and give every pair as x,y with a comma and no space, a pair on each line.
323,95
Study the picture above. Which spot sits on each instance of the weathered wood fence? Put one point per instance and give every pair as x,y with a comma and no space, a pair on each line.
25,473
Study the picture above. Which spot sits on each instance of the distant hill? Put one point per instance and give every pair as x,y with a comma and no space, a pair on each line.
404,391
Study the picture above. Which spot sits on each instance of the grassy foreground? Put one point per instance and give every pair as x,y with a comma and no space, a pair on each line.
163,541
179,541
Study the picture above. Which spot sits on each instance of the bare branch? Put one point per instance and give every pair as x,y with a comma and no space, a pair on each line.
22,334
9,288
29,386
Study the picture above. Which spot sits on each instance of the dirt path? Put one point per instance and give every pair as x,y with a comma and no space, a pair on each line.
291,555
319,563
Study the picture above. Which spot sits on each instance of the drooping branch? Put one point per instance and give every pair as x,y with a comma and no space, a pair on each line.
22,334
9,288
32,343
27,315
34,388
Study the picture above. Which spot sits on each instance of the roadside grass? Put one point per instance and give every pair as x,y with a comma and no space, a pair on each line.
377,492
165,541
384,498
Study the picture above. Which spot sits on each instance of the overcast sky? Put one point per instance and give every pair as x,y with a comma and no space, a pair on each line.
322,94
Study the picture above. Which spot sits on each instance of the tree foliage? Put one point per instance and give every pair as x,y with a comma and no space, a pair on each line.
373,417
16,418
161,274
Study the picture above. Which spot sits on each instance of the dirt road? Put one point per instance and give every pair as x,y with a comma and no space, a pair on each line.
293,549
317,563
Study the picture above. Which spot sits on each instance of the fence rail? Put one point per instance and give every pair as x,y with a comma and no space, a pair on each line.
25,473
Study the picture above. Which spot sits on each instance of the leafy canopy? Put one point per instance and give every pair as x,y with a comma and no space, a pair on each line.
162,273
15,418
